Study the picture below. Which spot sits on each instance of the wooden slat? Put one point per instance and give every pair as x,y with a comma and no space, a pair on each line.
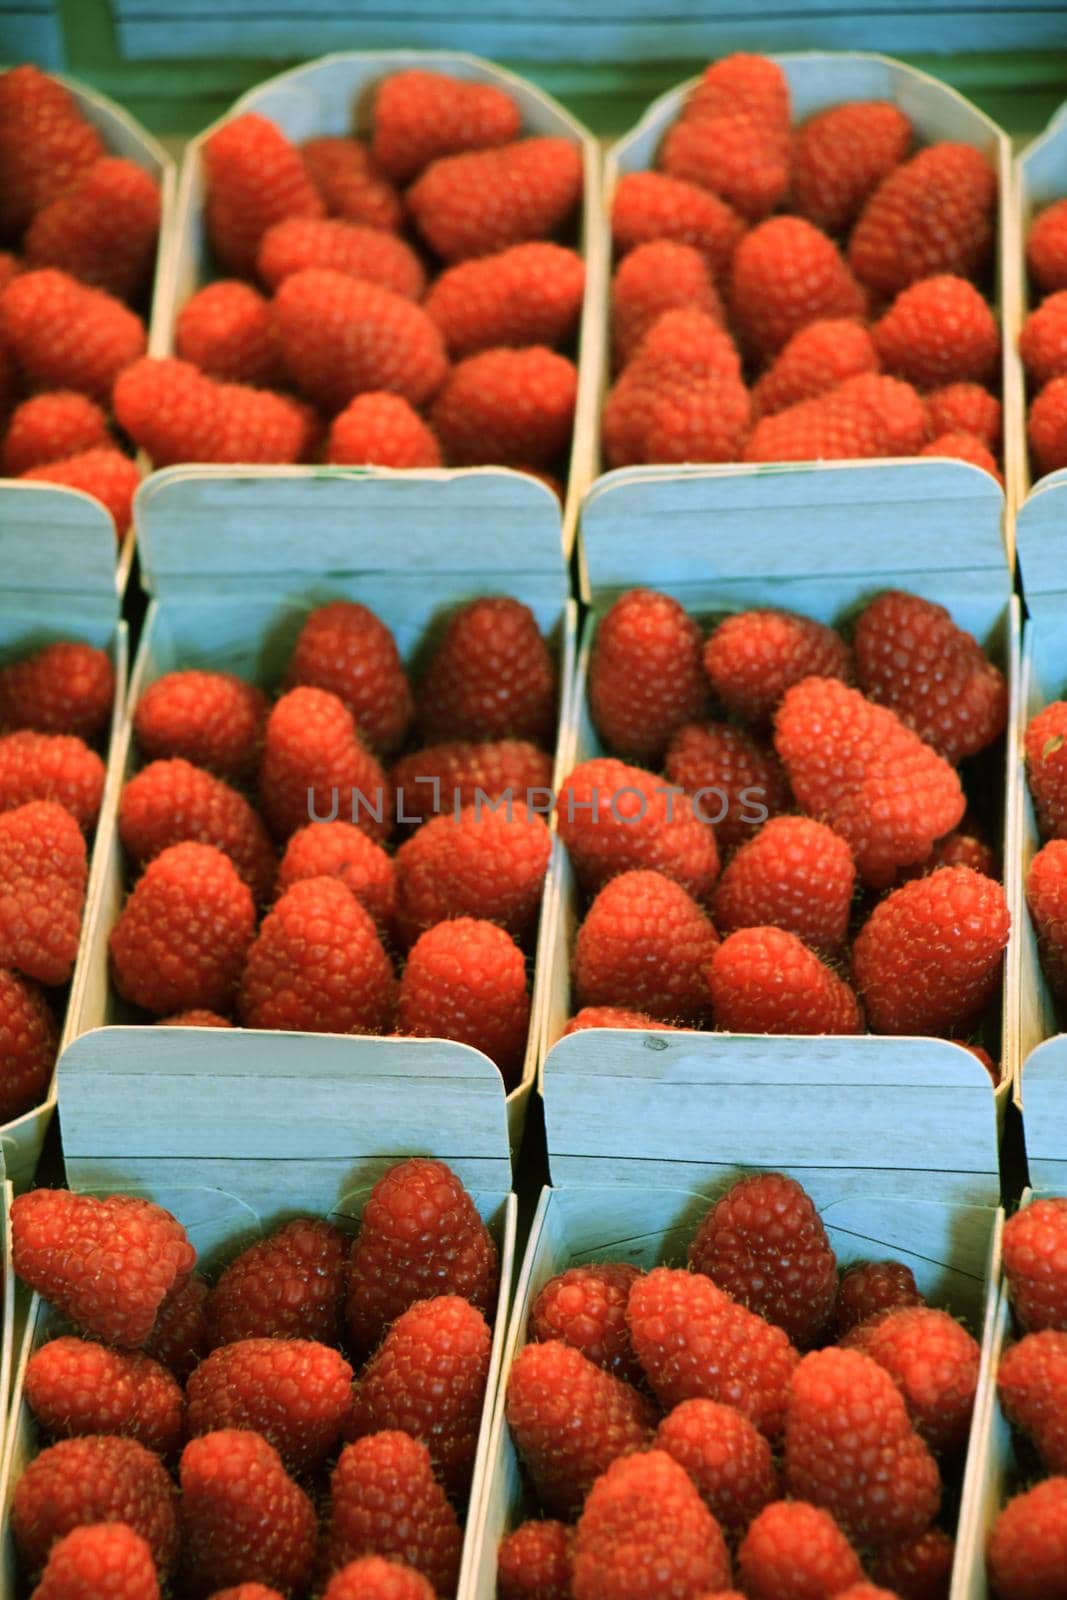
31,32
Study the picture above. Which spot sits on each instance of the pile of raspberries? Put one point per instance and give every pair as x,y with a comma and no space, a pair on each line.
801,293
1045,747
1043,340
306,1425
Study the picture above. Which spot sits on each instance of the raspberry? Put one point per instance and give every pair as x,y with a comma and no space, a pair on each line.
338,850
645,1529
490,677
966,408
351,183
428,1380
487,200
870,1287
933,1361
795,874
477,863
176,413
727,1458
928,959
958,849
939,331
183,934
741,159
297,243
649,205
1043,340
917,1569
841,155
695,1343
752,84
753,657
857,767
1032,1385
866,1591
294,1392
1046,248
385,1500
813,362
315,767
74,1387
765,1245
1035,1254
197,1018
103,1561
534,1562
528,294
1046,766
964,447
614,1017
1046,897
179,1338
742,776
450,776
375,1579
107,475
254,178
646,676
1027,1550
614,818
420,116
785,274
850,1447
247,1591
64,335
345,649
243,1518
466,980
934,214
674,417
212,719
420,1236
570,1420
514,407
863,417
317,965
794,1551
50,427
289,1285
585,1307
227,330
653,278
381,430
43,869
645,943
45,144
102,230
1046,428
168,802
764,980
29,1043
98,1478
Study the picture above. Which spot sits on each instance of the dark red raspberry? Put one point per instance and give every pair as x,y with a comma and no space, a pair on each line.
169,802
290,1285
1032,1385
764,980
385,1500
728,1459
614,818
490,677
44,869
796,874
446,777
294,1392
100,1561
99,1478
869,1287
1046,768
933,1361
917,1569
1027,1550
1035,1264
752,658
646,675
645,944
77,1387
794,1551
315,768
51,766
63,688
534,1562
179,1338
736,780
465,979
481,863
344,648
586,1307
29,1040
243,1518
213,719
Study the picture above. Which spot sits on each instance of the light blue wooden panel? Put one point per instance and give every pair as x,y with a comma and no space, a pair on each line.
30,31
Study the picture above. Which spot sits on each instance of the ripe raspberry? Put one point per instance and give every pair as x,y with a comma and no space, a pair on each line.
866,1591
381,430
585,1307
197,1018
477,863
529,294
741,159
1035,1249
490,677
351,183
727,1458
841,156
964,447
374,1579
1043,340
741,776
863,417
102,230
764,980
420,116
338,850
794,1551
917,1569
795,874
646,676
1046,428
107,475
813,362
29,1042
179,1338
227,330
294,1392
176,413
857,767
785,274
212,719
243,1518
1046,898
753,84
487,200
870,1287
676,416
50,427
934,214
1046,766
247,1591
933,1361
695,1343
1046,248
645,943
64,335
345,649
1032,1385
850,1447
428,1380
76,1387
928,959
959,848
966,408
534,1562
614,1017
614,818
169,802
420,1236
297,243
570,1420
45,144
254,178
753,657
315,767
385,1501
939,331
1027,1550
512,407
466,980
290,1285
449,776
645,1529
104,1561
98,1478
43,869
649,206
653,278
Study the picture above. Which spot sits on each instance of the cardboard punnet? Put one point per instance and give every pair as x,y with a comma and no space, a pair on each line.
1039,178
332,96
658,496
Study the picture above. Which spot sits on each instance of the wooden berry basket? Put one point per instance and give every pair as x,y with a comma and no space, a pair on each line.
1040,177
318,99
817,80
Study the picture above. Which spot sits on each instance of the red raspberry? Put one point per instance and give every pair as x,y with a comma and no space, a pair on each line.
297,243
644,1528
857,767
966,408
614,1017
449,776
1046,899
646,676
1046,765
104,1561
375,1579
338,850
795,874
866,1591
741,775
45,144
529,294
727,1458
645,943
64,686
939,331
490,677
316,768
290,1285
50,427
385,1500
534,1562
177,413
1035,1253
29,1041
345,649
420,116
102,230
785,274
254,178
870,1287
753,657
850,1447
933,1361
653,278
168,802
1046,247
294,1392
614,818
841,155
243,1518
381,430
815,360
1043,340
742,159
513,407
794,1551
487,200
570,1420
466,980
958,849
351,183
1027,1550
107,475
674,417
75,1387
1046,428
98,1478
420,1236
695,1343
43,868
64,335
929,957
247,1591
753,84
917,1569
477,863
1032,1385
863,417
964,447
428,1380
212,719
179,1338
585,1307
196,1018
227,330
936,213
764,980
648,205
